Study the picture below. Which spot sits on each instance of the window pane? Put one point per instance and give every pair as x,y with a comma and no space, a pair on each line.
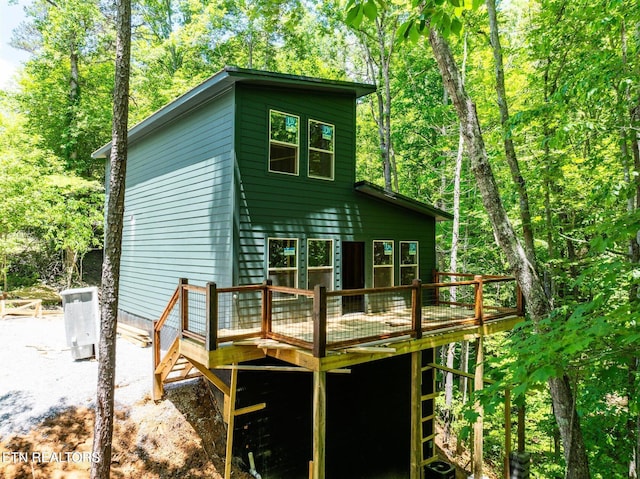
283,158
323,277
282,253
320,253
284,127
283,278
382,253
320,136
409,252
382,277
408,274
320,164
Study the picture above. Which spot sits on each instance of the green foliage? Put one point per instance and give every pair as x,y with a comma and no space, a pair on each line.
42,205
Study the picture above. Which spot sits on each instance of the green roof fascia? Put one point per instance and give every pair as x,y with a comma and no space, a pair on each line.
402,201
221,82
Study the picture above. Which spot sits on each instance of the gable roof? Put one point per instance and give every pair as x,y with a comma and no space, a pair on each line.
402,201
222,81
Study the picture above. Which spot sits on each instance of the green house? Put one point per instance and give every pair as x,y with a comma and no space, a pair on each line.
248,181
251,176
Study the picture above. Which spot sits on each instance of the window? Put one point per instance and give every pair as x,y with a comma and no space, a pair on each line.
321,150
382,264
320,263
408,261
283,263
284,139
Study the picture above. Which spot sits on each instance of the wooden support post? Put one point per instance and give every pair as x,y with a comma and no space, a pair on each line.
507,433
521,415
211,334
184,305
156,386
267,302
319,321
478,300
436,290
319,423
416,308
416,415
231,423
519,300
478,426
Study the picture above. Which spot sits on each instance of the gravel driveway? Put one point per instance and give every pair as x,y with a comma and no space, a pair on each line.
38,376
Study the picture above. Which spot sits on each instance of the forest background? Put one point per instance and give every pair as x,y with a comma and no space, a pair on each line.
571,78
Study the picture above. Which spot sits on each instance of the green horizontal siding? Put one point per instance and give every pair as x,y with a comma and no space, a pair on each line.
178,208
286,206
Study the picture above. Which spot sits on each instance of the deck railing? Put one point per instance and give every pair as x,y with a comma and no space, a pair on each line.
320,319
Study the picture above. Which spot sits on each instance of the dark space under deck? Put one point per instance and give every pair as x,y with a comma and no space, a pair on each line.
368,421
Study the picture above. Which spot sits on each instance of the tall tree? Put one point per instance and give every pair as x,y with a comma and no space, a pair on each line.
509,148
103,429
538,305
379,45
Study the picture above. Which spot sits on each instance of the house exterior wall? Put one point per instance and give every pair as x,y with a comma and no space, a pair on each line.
276,205
178,208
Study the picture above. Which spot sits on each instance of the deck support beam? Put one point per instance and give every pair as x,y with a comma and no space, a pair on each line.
319,423
478,426
231,423
416,415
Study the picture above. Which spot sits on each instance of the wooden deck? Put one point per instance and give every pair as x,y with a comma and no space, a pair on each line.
342,329
206,328
221,326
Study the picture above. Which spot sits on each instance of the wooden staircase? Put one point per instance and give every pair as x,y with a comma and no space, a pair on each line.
175,366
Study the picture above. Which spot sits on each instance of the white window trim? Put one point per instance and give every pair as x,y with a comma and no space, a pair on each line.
296,269
416,264
392,265
276,142
323,268
310,148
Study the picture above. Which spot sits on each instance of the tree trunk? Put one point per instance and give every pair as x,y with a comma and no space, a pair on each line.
509,149
538,305
103,428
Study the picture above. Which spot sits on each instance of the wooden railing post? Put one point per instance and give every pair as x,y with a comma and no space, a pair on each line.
211,334
436,290
319,321
267,303
478,300
184,305
519,299
416,308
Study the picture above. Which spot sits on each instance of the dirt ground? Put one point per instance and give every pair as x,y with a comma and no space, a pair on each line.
46,412
182,436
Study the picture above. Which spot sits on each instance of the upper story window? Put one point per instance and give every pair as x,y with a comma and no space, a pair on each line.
284,142
321,150
320,263
408,261
382,264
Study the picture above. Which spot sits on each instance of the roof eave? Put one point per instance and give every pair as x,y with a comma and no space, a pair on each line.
402,201
224,79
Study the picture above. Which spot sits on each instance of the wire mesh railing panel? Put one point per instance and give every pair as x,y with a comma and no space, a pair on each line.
292,316
170,329
447,305
239,313
379,314
457,294
197,317
500,297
